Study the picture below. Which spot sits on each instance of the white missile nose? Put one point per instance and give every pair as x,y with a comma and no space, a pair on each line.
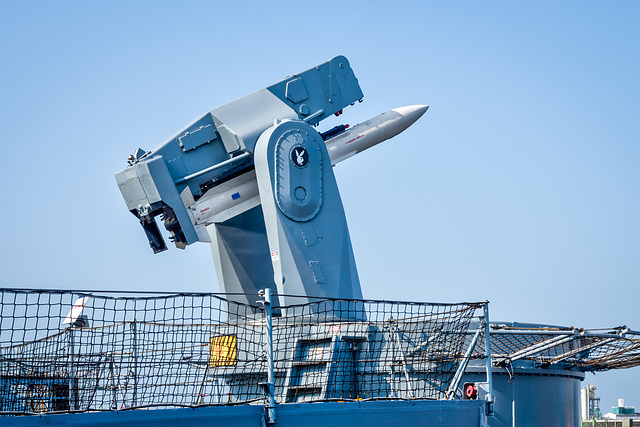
412,112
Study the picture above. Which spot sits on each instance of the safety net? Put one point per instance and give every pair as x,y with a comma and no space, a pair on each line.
67,351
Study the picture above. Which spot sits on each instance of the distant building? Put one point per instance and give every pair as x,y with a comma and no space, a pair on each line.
622,412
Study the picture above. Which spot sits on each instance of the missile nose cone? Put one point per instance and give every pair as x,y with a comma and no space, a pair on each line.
412,112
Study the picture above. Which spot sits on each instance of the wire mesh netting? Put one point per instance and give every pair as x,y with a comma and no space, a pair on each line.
402,350
565,348
71,351
116,352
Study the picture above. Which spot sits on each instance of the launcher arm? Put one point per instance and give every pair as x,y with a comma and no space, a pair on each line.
219,147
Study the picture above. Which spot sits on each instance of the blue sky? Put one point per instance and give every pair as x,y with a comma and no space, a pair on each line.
520,184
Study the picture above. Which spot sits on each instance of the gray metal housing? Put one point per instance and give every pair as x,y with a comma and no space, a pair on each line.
220,145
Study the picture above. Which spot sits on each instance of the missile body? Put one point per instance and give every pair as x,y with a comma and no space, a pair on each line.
240,194
372,132
226,200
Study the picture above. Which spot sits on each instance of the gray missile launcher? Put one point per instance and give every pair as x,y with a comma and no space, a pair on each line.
254,178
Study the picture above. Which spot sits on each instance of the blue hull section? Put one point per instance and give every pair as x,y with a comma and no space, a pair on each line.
333,414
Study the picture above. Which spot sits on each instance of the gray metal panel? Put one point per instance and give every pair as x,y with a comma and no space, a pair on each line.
321,91
288,233
131,188
250,115
241,256
298,174
198,137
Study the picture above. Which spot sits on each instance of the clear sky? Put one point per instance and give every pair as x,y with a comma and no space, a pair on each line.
520,185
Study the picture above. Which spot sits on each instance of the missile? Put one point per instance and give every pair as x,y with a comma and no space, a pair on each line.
240,194
372,132
225,201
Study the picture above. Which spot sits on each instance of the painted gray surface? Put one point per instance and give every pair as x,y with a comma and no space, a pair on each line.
218,146
532,397
305,222
240,253
334,414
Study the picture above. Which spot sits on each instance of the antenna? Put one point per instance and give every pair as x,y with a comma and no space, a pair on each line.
74,317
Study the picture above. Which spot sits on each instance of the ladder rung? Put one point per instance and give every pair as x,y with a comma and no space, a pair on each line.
305,387
309,362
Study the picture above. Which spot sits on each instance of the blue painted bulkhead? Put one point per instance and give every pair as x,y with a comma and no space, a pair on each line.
531,397
436,413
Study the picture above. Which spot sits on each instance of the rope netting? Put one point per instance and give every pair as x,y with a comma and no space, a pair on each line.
116,352
73,351
565,348
402,350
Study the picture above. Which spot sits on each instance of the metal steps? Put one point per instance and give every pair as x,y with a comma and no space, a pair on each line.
321,369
